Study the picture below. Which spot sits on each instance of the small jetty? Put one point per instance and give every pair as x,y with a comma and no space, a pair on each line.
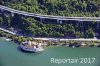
31,46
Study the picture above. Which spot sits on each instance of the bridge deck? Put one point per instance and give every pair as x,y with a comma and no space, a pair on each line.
50,16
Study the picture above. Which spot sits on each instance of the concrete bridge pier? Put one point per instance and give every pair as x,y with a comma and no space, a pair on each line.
12,14
79,24
41,19
1,11
59,21
97,24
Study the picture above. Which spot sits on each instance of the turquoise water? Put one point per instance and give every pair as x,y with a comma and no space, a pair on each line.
10,55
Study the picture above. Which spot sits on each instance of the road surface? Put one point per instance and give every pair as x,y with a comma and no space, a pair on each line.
50,16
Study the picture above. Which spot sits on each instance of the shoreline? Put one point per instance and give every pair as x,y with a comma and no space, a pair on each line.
74,44
59,39
77,42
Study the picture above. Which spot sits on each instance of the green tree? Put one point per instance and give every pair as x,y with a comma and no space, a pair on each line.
90,33
1,21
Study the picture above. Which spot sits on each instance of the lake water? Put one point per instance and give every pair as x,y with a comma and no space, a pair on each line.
10,55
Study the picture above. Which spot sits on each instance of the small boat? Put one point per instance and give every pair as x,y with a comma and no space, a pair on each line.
73,46
8,39
31,48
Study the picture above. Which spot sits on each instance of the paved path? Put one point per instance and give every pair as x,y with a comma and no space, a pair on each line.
53,39
62,39
7,31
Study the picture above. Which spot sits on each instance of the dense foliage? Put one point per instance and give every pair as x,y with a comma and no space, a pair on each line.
29,26
57,7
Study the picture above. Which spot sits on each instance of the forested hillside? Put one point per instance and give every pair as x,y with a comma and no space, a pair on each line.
29,26
57,7
70,29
